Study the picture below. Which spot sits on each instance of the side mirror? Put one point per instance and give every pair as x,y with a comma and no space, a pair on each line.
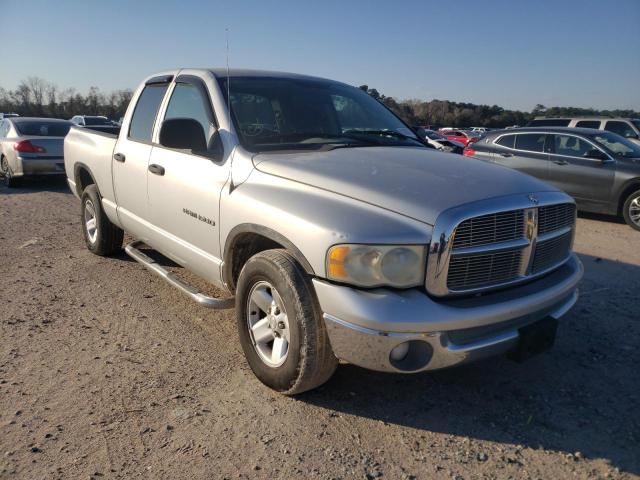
596,154
183,134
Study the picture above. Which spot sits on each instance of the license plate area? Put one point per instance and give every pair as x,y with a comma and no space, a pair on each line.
535,338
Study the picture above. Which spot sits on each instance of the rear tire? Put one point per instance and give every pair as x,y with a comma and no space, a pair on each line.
274,290
9,180
100,235
631,210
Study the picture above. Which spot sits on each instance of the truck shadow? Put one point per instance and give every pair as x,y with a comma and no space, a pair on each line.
580,396
600,217
41,184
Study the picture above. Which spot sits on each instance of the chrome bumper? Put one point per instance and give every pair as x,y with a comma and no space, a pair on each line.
364,326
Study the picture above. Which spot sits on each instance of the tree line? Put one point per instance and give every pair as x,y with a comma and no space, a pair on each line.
35,96
444,113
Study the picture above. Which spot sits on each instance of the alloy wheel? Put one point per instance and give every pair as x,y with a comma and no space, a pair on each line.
90,221
634,210
268,324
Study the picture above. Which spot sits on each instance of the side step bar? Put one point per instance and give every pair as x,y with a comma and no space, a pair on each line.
172,279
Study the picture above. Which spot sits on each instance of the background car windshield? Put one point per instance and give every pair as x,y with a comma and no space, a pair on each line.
618,145
96,121
435,136
43,129
282,113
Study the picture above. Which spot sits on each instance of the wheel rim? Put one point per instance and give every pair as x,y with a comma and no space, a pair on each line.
634,211
268,324
90,221
6,173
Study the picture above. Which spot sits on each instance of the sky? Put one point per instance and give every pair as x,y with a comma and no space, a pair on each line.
516,54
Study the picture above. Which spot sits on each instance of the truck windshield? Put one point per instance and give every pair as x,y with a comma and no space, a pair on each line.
276,113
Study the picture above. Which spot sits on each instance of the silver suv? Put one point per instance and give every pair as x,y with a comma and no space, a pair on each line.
625,127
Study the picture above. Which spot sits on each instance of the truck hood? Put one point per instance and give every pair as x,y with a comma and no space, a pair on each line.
415,182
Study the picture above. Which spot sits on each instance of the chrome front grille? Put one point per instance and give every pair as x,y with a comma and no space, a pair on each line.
492,228
549,252
468,271
555,217
495,249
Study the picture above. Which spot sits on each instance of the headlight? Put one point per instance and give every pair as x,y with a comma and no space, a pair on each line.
376,265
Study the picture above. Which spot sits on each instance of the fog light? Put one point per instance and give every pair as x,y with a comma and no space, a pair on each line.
399,352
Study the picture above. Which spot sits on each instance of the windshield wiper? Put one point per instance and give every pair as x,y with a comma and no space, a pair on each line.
389,133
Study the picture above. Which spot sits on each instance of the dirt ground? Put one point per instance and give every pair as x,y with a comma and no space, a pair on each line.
107,372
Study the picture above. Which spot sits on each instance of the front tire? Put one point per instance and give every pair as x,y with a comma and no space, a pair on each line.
100,235
280,324
631,210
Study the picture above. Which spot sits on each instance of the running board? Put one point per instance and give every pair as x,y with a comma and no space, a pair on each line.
172,279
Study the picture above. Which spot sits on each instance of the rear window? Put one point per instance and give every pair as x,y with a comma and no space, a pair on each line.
506,141
43,129
588,124
621,128
145,113
532,142
549,122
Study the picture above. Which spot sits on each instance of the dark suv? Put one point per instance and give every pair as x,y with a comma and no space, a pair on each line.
601,170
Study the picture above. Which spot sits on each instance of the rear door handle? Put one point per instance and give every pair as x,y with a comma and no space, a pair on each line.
561,162
506,155
156,169
119,157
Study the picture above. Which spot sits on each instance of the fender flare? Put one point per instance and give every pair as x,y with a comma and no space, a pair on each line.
263,231
76,176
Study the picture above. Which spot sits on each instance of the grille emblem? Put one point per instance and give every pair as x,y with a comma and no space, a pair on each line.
533,199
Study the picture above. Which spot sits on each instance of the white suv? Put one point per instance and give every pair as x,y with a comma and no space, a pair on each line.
626,127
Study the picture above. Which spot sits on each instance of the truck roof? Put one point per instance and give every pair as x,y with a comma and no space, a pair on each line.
221,72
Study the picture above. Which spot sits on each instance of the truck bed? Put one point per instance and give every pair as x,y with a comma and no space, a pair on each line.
93,148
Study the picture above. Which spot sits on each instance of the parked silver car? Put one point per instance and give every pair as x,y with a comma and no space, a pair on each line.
31,146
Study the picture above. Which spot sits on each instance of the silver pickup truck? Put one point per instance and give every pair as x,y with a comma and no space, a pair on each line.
338,234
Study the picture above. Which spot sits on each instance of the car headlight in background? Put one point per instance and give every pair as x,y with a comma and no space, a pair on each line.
398,266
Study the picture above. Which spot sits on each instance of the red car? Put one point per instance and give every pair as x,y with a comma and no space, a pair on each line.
461,136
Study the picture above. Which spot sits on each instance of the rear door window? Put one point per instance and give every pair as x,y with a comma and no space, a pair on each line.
531,142
506,141
588,124
621,128
145,112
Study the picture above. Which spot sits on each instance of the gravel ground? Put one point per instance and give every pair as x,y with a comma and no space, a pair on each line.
107,372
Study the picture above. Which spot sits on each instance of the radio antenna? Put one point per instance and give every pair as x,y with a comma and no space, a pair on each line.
228,88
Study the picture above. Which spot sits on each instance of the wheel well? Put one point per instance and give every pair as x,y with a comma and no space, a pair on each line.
83,179
245,246
628,190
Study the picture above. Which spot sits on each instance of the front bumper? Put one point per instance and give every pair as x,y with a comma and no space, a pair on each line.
364,326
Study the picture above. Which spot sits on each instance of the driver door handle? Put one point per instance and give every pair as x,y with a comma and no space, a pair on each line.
561,162
119,157
156,169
